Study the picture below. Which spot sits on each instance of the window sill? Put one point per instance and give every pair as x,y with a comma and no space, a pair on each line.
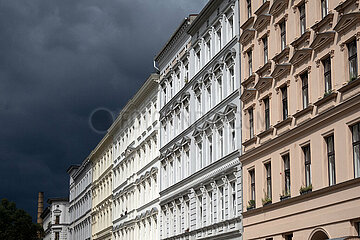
283,126
326,102
266,135
303,115
350,89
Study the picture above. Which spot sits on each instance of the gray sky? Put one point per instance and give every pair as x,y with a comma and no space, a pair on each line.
59,61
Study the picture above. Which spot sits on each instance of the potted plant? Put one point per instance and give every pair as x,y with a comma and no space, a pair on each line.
284,195
266,201
304,190
327,93
251,204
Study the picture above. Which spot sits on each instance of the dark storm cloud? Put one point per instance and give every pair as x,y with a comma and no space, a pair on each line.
60,60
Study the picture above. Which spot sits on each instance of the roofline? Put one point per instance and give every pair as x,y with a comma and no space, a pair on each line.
72,167
203,16
51,200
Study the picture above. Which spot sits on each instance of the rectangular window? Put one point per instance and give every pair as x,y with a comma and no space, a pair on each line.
222,203
307,160
286,159
57,236
208,47
232,79
268,180
221,141
218,33
267,113
252,184
352,51
210,148
200,210
331,159
57,219
249,55
266,54
327,74
305,89
302,18
356,148
283,34
251,122
209,97
220,89
248,8
324,8
284,102
211,209
233,135
233,197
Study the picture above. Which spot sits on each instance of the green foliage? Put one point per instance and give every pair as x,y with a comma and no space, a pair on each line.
305,189
266,200
16,224
251,204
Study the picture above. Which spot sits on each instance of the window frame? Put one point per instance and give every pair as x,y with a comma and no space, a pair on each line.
305,89
324,8
268,180
302,15
331,159
250,61
287,173
251,122
307,162
282,26
327,74
352,59
356,144
266,49
284,101
248,8
267,112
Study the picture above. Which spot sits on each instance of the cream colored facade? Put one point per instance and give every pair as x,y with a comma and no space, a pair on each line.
101,212
300,107
136,166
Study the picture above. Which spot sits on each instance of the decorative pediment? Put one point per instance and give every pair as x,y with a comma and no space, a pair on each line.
229,58
284,54
264,70
303,38
346,21
321,39
247,35
231,107
248,94
345,4
249,82
248,23
278,6
281,70
328,19
300,55
263,83
261,21
263,8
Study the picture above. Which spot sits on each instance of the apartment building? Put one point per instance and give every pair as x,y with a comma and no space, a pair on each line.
300,131
101,210
56,219
200,137
80,201
136,166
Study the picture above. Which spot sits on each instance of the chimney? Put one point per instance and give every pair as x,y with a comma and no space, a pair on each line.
40,207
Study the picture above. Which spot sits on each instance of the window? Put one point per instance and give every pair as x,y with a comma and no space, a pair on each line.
324,8
251,122
200,209
57,236
232,79
352,51
164,95
210,148
286,159
231,28
302,18
249,55
208,89
327,74
267,113
208,52
305,89
265,44
221,140
356,148
222,202
232,130
268,180
289,236
248,2
307,160
358,228
200,154
220,89
218,33
252,184
283,34
331,159
198,60
211,209
57,219
233,197
284,102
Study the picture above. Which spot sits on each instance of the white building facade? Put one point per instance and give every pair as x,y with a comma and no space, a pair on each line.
101,208
200,137
56,219
80,201
136,166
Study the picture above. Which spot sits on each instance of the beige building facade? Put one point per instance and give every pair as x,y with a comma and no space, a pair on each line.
300,118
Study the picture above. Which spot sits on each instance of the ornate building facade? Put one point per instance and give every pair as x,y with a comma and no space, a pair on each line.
136,166
300,128
56,219
200,175
80,201
101,211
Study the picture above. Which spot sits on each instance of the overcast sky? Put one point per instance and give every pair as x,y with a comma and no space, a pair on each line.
59,61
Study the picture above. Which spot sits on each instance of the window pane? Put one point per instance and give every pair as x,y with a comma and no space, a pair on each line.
356,149
356,133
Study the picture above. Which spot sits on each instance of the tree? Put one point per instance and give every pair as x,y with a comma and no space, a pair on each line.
16,224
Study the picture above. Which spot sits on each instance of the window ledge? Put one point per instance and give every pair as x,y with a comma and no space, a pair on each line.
266,135
350,89
303,115
326,102
283,126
